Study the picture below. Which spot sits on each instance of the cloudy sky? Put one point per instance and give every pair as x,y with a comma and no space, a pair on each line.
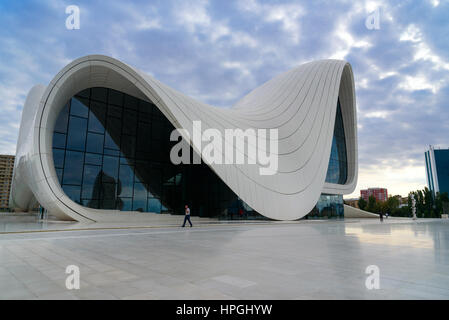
217,51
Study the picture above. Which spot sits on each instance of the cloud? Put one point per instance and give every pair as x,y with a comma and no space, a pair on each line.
217,51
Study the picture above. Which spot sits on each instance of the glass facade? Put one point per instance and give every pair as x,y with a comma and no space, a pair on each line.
328,206
337,171
442,169
112,151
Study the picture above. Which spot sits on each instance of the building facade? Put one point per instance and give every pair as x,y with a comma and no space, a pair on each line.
381,194
101,139
6,172
437,170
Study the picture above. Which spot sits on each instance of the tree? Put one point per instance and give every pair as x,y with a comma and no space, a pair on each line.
362,203
392,205
372,205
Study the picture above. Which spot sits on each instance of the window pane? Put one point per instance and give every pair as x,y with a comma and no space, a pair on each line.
129,146
59,173
115,97
73,167
99,94
131,102
76,139
144,137
63,118
94,142
145,106
59,140
79,107
125,204
92,158
97,117
73,192
58,157
129,122
84,94
140,197
154,205
110,169
126,179
115,111
91,182
113,133
110,152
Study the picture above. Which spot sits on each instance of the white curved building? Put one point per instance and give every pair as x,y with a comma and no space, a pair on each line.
94,145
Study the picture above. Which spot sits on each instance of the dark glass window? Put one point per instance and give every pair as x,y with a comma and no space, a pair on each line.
76,139
94,142
126,181
337,171
92,158
73,167
59,140
140,197
154,205
99,94
131,102
91,182
79,107
129,122
58,158
63,118
59,173
84,94
115,97
73,192
97,117
111,151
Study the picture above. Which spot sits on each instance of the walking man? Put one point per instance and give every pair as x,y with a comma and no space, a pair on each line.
187,217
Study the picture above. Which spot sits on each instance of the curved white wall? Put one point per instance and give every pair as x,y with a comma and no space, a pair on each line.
301,103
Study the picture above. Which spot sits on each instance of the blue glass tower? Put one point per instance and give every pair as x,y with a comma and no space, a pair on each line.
437,170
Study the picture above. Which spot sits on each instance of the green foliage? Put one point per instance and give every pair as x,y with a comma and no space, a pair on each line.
362,203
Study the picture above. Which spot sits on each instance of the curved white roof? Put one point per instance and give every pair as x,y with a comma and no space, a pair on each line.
300,103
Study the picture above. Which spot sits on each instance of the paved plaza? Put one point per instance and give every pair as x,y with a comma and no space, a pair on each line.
272,260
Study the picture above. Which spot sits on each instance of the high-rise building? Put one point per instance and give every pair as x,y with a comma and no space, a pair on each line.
381,194
437,169
6,169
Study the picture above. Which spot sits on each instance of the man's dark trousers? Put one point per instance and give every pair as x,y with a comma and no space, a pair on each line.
187,218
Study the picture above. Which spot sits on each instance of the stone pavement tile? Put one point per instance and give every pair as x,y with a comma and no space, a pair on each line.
101,267
122,290
93,293
18,292
9,282
99,279
42,288
141,296
62,295
423,291
120,275
55,273
4,271
190,291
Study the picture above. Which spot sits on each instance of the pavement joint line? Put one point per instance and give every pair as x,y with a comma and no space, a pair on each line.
199,225
144,227
105,235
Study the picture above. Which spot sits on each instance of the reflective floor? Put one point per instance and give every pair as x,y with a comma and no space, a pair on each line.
301,260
